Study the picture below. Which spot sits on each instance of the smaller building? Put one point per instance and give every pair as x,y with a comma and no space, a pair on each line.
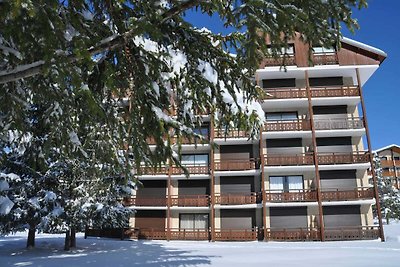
390,163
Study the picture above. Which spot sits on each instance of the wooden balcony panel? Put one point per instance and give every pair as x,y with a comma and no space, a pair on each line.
237,199
235,234
390,173
335,91
236,165
289,60
190,200
145,201
154,171
339,194
289,160
191,141
233,133
343,158
352,233
151,234
189,234
325,59
339,124
290,234
300,196
282,126
387,163
192,169
285,93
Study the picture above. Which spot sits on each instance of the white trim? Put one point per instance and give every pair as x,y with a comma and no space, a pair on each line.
236,207
364,46
385,148
291,204
349,202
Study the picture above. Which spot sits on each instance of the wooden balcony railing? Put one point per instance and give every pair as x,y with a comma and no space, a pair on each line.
233,133
236,165
339,124
325,59
289,160
236,234
290,60
281,126
190,200
386,163
300,195
285,93
391,173
335,91
342,194
149,233
192,169
293,234
145,201
191,141
148,170
237,199
189,234
343,158
352,233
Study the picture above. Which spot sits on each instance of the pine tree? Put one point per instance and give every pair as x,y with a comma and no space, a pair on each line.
388,194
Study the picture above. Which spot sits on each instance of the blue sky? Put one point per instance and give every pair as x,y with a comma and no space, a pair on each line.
379,27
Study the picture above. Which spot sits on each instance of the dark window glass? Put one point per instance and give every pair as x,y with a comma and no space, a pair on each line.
321,110
336,210
277,83
281,116
334,141
292,142
326,81
295,211
337,174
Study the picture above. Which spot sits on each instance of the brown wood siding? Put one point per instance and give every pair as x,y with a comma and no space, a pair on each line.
150,219
301,52
349,55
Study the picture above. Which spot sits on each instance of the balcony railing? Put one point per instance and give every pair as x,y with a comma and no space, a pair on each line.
285,93
235,234
293,234
190,200
391,173
339,124
237,199
236,165
189,234
335,91
192,169
386,163
342,194
282,126
148,170
145,201
300,195
352,233
289,159
290,60
343,158
325,59
149,233
233,133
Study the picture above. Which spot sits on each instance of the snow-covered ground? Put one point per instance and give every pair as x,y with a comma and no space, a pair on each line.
107,252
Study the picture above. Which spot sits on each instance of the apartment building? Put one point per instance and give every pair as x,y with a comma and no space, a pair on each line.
304,178
390,163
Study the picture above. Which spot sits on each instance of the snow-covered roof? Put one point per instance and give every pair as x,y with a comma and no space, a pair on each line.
397,147
364,46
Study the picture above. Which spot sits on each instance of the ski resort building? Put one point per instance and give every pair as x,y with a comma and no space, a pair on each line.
390,163
304,178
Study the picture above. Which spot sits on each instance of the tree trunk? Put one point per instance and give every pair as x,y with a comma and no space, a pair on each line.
73,238
67,242
31,237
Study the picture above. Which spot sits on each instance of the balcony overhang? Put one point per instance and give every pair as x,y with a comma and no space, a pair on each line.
349,202
237,173
357,166
292,204
236,207
366,71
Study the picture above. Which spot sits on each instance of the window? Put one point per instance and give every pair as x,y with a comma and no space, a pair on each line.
292,142
396,158
195,160
324,50
193,221
278,83
326,81
322,110
286,183
288,50
384,158
202,131
285,116
334,141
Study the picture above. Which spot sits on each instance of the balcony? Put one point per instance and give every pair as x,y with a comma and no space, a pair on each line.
341,194
289,60
236,165
289,159
236,234
339,124
387,163
233,133
146,201
343,158
175,170
335,91
293,234
325,59
391,173
285,93
189,234
237,199
352,233
190,200
149,234
301,195
283,126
